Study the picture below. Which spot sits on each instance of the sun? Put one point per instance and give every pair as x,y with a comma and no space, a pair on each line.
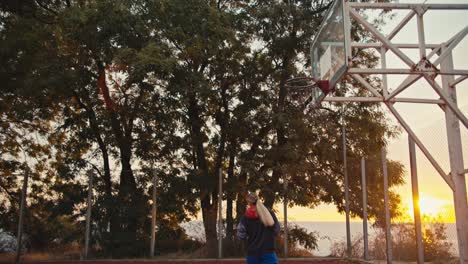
431,206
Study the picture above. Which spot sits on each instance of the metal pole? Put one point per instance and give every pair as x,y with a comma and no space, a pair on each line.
388,234
364,209
347,32
456,162
415,190
421,37
153,215
377,5
285,207
88,213
21,214
345,169
220,215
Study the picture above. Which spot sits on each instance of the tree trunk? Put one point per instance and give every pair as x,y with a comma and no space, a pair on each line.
109,203
268,193
242,182
230,192
209,204
127,198
128,201
209,213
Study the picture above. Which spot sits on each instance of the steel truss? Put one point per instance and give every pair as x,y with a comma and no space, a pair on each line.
422,69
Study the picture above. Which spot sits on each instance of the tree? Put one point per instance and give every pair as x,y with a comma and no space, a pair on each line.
304,149
140,88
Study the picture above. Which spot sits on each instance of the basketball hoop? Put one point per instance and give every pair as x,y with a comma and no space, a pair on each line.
307,91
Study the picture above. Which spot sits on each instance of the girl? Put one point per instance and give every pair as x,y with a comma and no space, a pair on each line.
259,226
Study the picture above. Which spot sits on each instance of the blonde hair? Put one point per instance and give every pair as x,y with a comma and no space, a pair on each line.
264,214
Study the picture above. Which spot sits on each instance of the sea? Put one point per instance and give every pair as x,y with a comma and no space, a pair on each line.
330,232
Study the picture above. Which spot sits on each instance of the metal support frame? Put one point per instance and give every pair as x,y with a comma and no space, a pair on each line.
426,68
456,162
402,71
458,80
421,146
23,206
406,6
388,224
364,209
345,172
88,213
153,214
285,212
415,191
220,215
380,99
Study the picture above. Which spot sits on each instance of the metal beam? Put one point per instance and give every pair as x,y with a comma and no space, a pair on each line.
153,214
398,45
405,84
402,71
383,59
364,208
417,100
220,214
443,95
353,99
458,80
285,215
367,85
380,99
411,78
421,146
407,6
23,205
388,234
400,25
453,42
456,161
382,38
347,32
345,172
415,192
421,37
88,213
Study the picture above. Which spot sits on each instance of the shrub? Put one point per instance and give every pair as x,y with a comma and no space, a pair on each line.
300,241
338,248
404,248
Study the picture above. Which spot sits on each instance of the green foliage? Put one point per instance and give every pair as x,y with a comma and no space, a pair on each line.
300,241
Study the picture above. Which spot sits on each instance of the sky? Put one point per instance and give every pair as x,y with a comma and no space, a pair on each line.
427,121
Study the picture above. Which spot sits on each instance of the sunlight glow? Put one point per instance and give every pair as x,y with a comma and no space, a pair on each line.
432,207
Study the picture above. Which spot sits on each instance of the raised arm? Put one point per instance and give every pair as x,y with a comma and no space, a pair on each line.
277,225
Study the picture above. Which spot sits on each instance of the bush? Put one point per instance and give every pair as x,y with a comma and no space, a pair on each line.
8,242
338,248
404,248
404,244
300,242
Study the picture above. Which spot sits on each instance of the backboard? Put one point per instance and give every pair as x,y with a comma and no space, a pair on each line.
328,50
